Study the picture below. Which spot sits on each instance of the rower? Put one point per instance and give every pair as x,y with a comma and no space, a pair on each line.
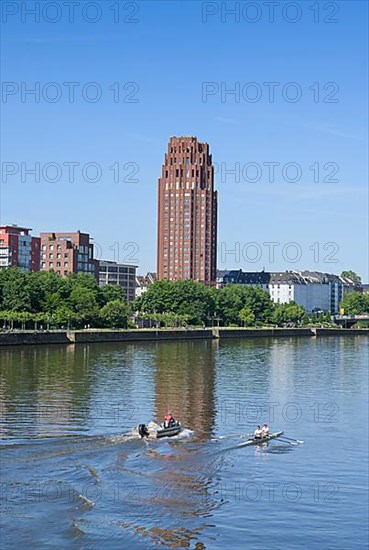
168,420
265,430
258,433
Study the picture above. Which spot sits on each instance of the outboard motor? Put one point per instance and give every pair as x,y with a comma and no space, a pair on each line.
143,431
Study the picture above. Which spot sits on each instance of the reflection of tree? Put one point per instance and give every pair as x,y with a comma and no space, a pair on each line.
185,374
42,387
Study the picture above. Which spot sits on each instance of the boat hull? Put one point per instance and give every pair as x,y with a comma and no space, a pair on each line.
157,431
261,440
168,432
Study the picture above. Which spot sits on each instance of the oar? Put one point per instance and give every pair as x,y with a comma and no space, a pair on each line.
231,436
288,442
291,439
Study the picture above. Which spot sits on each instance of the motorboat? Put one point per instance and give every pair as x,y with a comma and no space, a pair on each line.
154,430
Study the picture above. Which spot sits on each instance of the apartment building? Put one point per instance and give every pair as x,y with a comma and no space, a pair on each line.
18,248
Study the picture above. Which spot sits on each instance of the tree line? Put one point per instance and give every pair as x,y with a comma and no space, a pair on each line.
45,299
232,305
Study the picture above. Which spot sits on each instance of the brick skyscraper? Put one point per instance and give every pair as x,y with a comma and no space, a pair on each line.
187,213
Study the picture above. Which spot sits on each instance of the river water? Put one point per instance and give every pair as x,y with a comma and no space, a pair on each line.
73,476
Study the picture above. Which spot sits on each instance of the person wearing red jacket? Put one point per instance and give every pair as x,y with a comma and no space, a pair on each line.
168,420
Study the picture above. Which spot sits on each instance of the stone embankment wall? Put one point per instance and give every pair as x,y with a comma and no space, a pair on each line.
18,338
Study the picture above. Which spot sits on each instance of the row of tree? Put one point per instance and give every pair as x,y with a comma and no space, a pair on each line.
45,298
233,305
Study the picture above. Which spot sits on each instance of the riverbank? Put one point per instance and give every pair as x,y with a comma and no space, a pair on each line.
18,338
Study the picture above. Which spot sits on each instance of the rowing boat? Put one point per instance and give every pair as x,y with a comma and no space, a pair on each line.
259,440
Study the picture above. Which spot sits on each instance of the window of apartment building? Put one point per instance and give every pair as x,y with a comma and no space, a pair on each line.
51,247
58,255
44,247
43,264
51,265
58,247
65,272
58,264
66,255
51,256
65,264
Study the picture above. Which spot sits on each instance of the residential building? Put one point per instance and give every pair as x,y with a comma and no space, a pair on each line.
337,286
187,213
313,290
113,273
143,282
18,248
259,278
67,253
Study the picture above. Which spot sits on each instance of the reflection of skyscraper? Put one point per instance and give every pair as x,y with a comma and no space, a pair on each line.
187,213
185,382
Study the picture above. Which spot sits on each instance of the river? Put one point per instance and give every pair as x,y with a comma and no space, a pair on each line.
73,476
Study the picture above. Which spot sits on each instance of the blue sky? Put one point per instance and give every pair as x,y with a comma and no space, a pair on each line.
168,54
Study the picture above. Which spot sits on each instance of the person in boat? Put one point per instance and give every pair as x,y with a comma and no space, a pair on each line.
169,420
265,430
258,433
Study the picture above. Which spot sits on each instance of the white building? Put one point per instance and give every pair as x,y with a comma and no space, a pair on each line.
143,282
313,290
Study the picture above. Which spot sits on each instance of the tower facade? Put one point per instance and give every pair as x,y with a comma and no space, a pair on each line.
187,213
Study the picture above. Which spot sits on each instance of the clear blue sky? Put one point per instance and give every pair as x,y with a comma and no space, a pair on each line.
168,53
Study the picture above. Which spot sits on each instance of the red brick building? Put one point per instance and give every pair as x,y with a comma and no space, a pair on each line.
18,248
187,213
67,253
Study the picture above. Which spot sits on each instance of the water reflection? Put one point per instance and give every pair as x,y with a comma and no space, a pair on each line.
185,384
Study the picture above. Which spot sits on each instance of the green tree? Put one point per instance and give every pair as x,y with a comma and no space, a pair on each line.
53,290
65,316
189,298
15,292
328,317
351,275
83,302
289,313
231,299
305,319
355,303
114,314
246,316
108,293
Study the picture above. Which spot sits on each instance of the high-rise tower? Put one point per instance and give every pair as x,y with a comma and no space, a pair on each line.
187,213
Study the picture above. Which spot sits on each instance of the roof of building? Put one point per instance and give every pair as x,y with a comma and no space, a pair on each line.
15,228
281,277
115,264
146,280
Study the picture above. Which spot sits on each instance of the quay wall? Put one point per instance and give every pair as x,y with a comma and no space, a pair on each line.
17,338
